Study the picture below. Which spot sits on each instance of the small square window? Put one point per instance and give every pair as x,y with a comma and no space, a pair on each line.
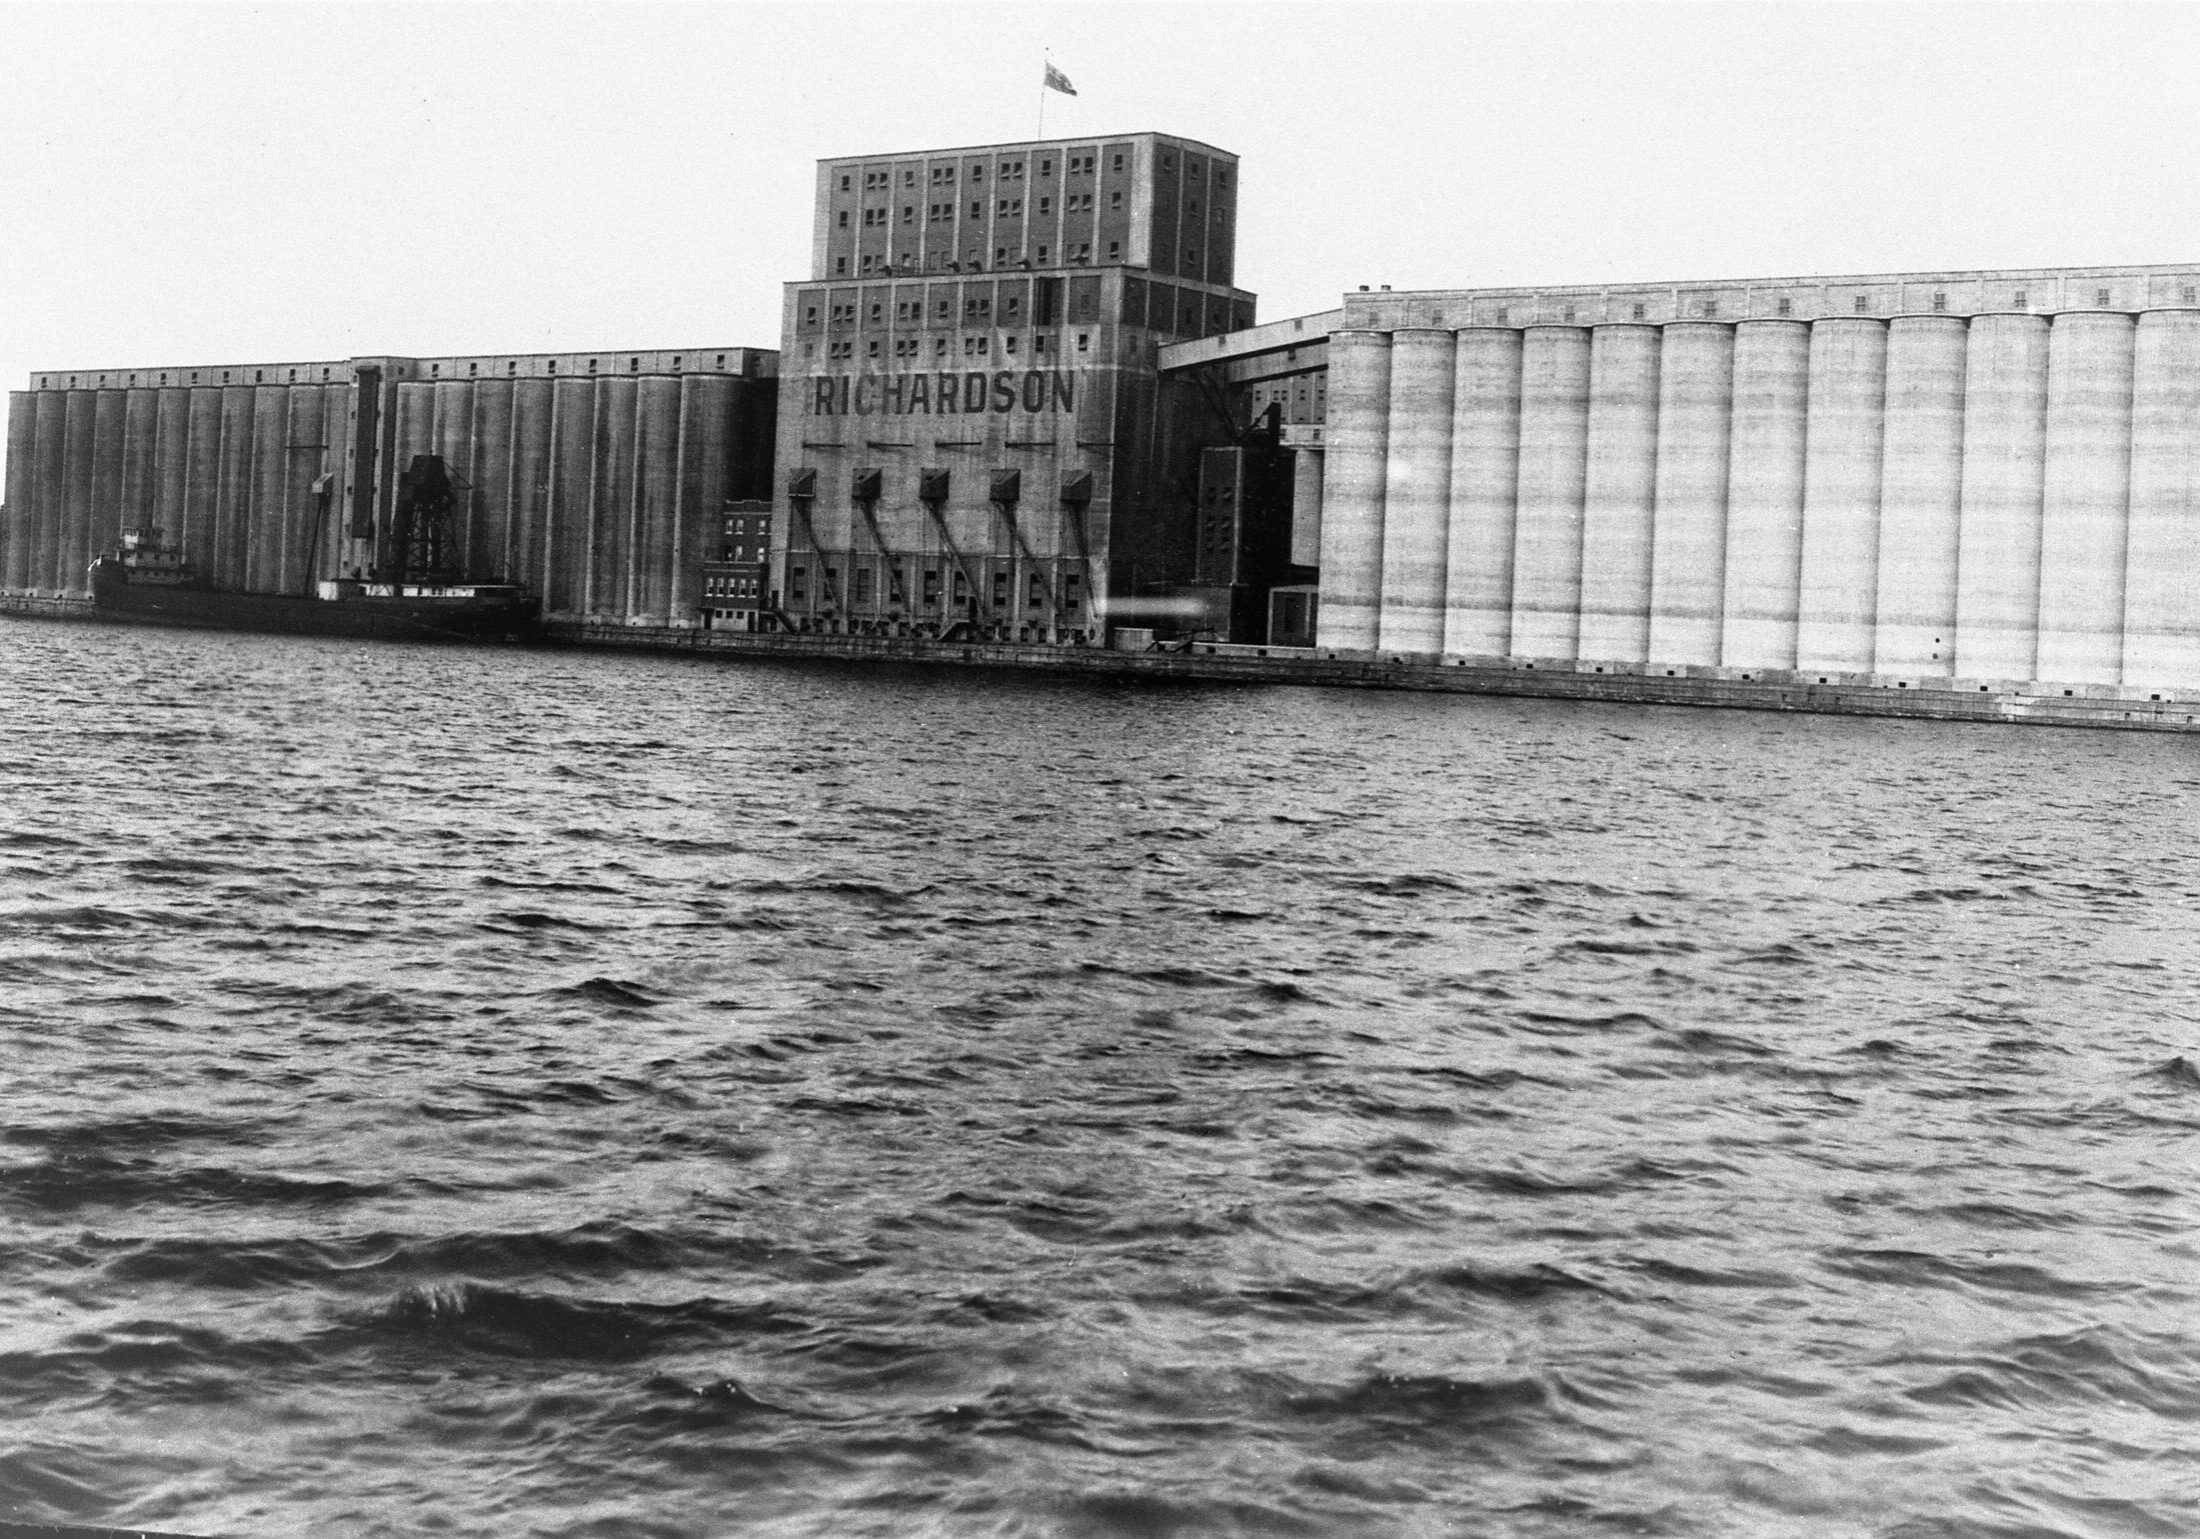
1863,303
1785,307
2023,300
1639,311
1940,301
2100,296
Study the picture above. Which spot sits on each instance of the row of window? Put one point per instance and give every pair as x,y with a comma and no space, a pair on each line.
1074,254
734,587
1007,171
973,347
864,588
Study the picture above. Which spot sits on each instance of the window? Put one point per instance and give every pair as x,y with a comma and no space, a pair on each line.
1038,595
1046,205
1115,163
1785,307
977,208
962,587
909,179
1084,341
1115,200
2022,300
1042,256
1008,345
1863,304
1168,162
1940,301
1192,207
1000,590
798,583
2189,294
840,267
878,311
1639,310
1191,259
863,585
844,181
1115,251
909,213
2100,296
1504,315
872,350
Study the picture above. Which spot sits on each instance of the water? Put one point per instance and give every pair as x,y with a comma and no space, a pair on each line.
489,1092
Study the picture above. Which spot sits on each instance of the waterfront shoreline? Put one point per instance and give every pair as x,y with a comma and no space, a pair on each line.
1215,662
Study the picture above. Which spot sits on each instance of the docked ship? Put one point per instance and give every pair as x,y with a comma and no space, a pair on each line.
147,581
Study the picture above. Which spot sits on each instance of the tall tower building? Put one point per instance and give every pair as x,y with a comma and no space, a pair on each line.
973,439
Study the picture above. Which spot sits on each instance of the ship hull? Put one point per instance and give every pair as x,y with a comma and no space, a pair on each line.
116,597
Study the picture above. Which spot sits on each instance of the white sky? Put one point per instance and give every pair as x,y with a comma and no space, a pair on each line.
186,184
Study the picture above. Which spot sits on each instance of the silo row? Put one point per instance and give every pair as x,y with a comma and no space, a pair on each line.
226,472
2011,496
598,494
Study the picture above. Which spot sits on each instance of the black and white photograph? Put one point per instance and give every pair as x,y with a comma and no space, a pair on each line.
1099,771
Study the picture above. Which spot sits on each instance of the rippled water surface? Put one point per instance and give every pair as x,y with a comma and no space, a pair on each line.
531,1093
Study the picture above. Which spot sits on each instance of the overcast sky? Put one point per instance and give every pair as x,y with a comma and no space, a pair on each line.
186,184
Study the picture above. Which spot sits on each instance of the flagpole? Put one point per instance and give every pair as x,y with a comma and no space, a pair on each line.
1044,61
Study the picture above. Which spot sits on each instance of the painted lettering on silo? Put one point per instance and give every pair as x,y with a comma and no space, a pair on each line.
1764,494
1416,491
1688,545
1554,444
1837,593
2161,599
1921,496
1619,494
2004,465
2085,496
1352,490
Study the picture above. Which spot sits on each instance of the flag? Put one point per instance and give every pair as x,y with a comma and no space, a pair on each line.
1057,81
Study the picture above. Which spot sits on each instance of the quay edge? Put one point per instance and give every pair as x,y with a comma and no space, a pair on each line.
1217,662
